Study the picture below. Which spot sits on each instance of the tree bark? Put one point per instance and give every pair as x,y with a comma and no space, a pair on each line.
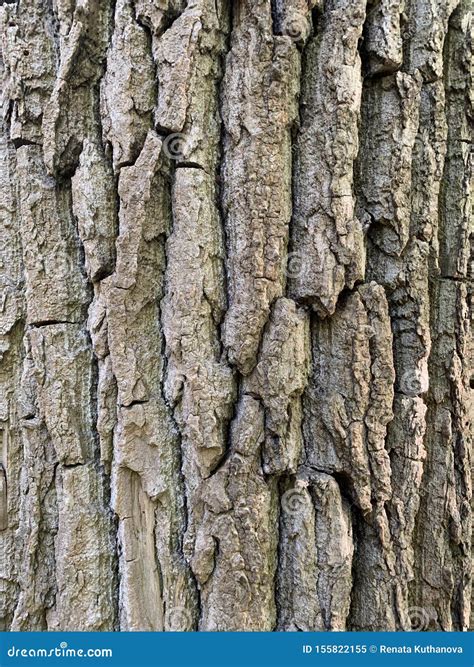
235,351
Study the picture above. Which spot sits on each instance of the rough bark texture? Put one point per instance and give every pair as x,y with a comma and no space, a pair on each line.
235,289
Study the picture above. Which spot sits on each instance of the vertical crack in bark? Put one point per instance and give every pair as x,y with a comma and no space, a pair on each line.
444,567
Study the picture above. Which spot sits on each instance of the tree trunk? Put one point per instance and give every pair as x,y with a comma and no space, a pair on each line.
235,348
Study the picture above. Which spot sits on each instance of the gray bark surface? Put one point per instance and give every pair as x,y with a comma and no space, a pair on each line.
236,278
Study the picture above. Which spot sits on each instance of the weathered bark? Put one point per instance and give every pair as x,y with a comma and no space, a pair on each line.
236,281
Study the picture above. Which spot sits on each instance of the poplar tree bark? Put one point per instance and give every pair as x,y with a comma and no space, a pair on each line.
235,351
